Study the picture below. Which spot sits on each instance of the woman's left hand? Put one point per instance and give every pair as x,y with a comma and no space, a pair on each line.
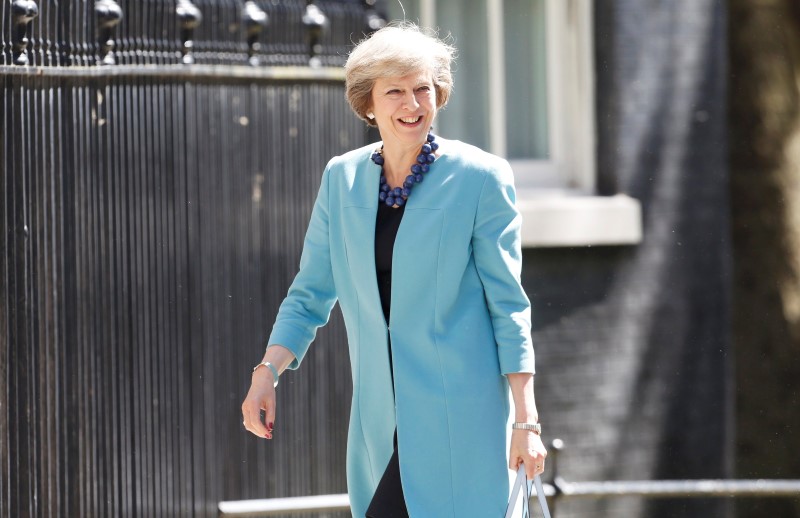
527,447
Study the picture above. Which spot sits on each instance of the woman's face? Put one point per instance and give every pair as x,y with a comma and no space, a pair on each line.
404,108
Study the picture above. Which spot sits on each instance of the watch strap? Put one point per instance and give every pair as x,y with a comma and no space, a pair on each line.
531,427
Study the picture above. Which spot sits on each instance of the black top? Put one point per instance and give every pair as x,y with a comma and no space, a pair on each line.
386,225
388,500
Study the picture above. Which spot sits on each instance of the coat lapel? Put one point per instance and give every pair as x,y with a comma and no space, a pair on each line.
360,206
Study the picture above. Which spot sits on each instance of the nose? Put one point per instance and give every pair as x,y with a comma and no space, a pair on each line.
410,101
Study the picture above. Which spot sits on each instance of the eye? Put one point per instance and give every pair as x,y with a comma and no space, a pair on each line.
393,91
424,88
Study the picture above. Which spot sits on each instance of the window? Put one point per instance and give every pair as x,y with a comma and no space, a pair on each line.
524,90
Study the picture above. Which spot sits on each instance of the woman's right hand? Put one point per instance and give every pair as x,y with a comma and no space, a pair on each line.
261,396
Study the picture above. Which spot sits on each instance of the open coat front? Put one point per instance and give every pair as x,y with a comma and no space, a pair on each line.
459,320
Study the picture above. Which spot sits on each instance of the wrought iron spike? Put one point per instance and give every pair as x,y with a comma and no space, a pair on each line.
190,17
22,12
109,14
254,20
316,22
372,19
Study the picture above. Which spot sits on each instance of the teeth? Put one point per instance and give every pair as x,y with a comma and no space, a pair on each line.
410,120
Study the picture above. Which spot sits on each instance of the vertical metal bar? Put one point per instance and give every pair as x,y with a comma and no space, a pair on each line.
85,286
57,253
149,344
137,423
110,408
37,278
9,267
30,403
194,120
57,31
118,123
5,46
68,357
6,192
44,422
128,209
27,359
80,459
163,172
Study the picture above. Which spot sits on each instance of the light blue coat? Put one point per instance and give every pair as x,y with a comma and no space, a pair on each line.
459,320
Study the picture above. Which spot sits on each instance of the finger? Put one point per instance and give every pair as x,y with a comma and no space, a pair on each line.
531,469
269,419
252,420
534,464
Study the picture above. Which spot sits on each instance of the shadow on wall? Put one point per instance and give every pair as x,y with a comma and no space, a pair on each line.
764,135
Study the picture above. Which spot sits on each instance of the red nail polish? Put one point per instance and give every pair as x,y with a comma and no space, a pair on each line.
270,426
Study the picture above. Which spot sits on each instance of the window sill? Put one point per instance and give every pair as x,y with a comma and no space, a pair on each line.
561,218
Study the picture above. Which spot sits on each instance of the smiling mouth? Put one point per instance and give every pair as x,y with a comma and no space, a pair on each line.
410,120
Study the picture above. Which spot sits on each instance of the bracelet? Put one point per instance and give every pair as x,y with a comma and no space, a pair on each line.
531,427
271,368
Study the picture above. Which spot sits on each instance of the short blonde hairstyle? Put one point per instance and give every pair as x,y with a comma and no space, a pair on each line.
398,49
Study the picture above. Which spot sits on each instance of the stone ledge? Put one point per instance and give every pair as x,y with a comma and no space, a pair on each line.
563,218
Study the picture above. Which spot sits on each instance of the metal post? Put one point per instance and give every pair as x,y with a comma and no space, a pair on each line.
555,479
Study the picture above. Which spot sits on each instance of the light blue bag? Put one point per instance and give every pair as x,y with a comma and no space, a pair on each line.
523,482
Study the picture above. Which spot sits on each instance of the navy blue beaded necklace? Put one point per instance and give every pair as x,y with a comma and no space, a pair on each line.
399,195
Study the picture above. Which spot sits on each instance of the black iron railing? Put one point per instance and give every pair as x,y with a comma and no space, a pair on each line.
138,32
158,163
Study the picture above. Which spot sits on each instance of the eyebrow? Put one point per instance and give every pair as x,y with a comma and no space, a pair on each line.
425,82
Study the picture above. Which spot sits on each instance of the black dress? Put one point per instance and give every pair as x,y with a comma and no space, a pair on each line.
388,501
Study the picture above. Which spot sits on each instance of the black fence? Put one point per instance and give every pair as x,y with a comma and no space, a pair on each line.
139,32
153,212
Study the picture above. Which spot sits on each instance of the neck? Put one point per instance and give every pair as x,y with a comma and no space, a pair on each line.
397,161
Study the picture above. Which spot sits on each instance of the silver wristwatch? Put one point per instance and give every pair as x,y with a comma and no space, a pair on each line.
271,368
532,427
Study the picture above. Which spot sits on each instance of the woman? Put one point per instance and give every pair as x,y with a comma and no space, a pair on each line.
429,423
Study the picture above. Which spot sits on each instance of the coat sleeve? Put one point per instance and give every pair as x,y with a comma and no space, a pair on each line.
311,296
497,250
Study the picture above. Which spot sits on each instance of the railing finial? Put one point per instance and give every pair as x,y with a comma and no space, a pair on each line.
22,11
254,20
190,17
372,19
109,14
316,22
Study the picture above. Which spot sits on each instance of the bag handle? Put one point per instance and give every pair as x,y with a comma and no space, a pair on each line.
523,482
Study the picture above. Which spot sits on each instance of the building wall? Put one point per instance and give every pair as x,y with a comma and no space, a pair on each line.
633,343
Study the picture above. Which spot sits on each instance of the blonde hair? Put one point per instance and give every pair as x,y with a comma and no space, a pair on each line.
396,50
